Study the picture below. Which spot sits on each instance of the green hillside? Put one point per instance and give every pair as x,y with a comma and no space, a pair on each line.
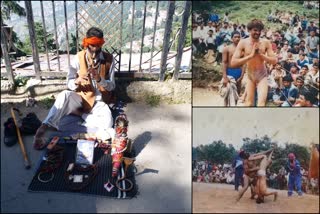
243,11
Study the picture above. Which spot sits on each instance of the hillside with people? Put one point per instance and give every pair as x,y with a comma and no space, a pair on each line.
292,28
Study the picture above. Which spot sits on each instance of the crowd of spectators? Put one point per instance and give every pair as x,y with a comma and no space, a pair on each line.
296,45
208,172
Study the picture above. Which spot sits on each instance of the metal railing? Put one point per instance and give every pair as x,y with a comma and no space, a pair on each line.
94,13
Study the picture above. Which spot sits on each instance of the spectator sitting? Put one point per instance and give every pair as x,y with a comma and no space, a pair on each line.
289,62
311,27
303,71
306,99
211,27
302,60
313,74
300,85
294,71
302,46
277,74
230,178
284,51
295,49
312,43
288,94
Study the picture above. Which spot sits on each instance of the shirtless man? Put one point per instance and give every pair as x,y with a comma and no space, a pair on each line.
227,53
256,52
250,171
261,186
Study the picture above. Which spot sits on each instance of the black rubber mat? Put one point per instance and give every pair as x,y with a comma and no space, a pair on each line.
96,187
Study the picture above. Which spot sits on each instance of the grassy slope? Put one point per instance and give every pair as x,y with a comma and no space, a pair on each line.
247,10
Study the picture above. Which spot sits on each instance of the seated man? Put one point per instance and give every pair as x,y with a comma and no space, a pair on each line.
306,99
288,94
91,73
250,171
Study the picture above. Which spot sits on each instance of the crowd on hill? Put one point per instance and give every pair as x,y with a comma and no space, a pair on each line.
296,46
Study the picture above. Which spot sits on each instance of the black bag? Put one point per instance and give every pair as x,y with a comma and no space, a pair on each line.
30,124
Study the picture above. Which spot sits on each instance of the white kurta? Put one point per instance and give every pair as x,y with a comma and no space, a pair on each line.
68,101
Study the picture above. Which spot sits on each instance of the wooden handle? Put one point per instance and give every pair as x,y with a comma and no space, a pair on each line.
25,157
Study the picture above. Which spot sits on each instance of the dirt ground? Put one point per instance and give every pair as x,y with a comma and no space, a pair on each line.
162,138
220,198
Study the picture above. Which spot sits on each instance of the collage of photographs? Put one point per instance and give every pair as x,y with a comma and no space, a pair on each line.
160,106
255,65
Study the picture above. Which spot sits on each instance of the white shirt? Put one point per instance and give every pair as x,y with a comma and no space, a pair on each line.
196,34
202,32
74,69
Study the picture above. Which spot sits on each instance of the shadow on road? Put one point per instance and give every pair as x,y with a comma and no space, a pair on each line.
141,141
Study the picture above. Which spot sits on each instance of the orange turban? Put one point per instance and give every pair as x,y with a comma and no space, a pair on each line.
92,41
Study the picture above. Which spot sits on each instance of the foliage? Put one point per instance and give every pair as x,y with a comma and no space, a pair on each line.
73,45
8,7
152,100
218,152
47,102
243,11
40,34
20,81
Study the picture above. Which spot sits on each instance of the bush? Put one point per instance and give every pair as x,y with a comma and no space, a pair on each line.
152,100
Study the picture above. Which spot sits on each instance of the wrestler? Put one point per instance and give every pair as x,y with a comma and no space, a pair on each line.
227,70
257,52
261,185
250,171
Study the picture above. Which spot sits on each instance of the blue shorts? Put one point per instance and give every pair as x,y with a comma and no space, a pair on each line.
235,72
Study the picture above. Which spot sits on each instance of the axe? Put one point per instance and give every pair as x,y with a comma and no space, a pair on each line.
25,157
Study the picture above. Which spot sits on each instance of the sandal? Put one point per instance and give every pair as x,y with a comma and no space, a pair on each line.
10,133
39,143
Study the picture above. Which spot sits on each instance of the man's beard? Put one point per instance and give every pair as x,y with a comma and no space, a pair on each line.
256,36
94,53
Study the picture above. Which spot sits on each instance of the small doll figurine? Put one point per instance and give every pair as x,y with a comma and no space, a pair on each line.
119,143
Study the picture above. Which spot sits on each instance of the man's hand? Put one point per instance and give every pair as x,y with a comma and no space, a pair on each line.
94,73
278,102
239,79
81,80
225,81
255,50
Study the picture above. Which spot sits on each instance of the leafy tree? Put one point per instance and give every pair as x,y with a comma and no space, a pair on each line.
280,153
217,152
73,44
7,8
39,30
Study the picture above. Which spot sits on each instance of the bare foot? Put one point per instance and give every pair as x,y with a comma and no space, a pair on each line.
275,196
39,140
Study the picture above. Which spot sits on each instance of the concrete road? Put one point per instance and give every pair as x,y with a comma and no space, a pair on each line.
221,198
162,138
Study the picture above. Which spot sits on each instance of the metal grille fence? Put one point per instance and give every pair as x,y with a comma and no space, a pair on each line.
109,16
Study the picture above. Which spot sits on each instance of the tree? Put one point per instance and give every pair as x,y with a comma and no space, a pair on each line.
217,152
73,44
280,153
40,40
8,7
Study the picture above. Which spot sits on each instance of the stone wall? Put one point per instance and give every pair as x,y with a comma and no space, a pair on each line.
169,91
